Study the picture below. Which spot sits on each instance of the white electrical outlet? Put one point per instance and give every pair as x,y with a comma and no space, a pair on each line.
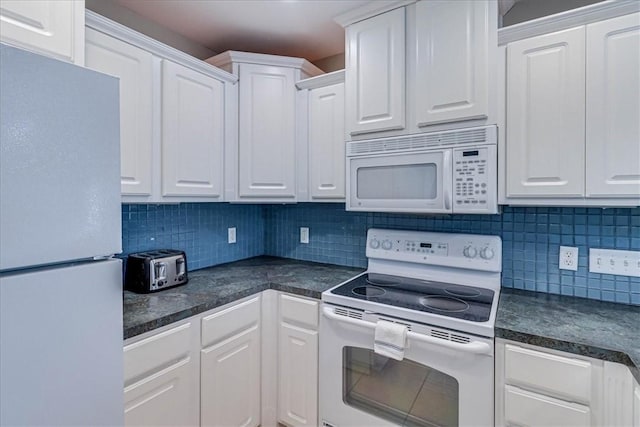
568,258
231,231
304,234
611,261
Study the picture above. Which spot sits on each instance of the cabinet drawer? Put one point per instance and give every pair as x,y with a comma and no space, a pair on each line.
524,408
156,352
299,311
230,321
551,374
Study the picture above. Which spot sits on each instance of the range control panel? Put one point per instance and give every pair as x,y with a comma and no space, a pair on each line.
446,249
474,179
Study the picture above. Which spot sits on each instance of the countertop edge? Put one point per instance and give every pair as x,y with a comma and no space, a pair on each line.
582,349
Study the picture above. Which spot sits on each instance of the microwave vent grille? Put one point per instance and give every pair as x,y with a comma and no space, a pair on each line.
418,142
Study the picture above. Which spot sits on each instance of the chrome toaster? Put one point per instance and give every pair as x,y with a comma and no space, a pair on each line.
156,270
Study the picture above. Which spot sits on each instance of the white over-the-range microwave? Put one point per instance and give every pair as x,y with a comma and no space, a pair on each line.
442,172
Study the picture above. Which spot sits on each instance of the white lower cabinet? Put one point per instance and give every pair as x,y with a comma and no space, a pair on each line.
161,381
636,404
542,387
298,361
230,366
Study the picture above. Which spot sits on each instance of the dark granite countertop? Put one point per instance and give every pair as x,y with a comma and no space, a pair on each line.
215,286
598,329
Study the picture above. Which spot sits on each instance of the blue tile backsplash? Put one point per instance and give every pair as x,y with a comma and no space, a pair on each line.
199,229
531,238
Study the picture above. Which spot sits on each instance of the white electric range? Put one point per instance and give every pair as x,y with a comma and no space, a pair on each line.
444,288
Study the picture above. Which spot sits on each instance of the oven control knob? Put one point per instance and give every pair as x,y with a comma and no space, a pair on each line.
386,245
470,252
374,244
486,253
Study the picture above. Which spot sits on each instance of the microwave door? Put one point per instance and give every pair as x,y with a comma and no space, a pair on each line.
408,182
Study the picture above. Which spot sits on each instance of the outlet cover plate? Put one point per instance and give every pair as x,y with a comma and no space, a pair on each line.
231,231
568,259
613,261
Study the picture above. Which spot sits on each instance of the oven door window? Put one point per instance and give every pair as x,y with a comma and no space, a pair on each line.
403,392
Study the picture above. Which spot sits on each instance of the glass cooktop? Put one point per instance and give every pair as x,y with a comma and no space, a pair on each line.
446,299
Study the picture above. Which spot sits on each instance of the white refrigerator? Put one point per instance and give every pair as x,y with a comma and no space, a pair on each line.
60,288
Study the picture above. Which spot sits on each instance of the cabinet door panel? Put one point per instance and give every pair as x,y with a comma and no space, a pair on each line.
451,61
613,107
134,67
267,132
523,408
167,398
230,381
192,132
46,26
326,142
545,115
298,376
375,73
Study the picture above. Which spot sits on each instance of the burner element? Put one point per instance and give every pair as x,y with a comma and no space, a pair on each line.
378,281
463,292
444,303
369,291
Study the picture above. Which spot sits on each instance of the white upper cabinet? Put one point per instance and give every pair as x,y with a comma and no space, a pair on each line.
326,142
267,132
545,115
192,132
375,73
572,114
50,27
134,67
451,61
176,113
613,107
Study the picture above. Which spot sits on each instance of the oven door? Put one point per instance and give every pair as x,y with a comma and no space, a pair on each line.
438,383
408,182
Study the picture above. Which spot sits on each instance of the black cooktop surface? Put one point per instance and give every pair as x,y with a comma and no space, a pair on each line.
447,299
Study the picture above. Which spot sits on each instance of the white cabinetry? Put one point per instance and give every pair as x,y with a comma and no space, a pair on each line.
452,61
134,67
174,119
298,361
192,132
556,151
261,167
322,102
420,68
230,366
545,122
49,27
613,108
375,73
636,404
542,387
161,378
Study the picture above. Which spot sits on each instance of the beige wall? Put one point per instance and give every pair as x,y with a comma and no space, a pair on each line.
526,10
127,17
330,63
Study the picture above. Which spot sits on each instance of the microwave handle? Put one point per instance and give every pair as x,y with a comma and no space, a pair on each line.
446,179
475,347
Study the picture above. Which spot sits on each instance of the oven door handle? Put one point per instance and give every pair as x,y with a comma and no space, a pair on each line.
473,348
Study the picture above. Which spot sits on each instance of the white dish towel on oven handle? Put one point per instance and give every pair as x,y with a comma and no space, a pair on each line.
390,339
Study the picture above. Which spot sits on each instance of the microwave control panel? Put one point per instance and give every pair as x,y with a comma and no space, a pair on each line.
474,179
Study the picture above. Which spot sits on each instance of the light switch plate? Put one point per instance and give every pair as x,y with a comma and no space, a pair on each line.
231,231
304,234
613,261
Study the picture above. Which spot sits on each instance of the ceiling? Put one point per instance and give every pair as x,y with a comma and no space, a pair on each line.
303,28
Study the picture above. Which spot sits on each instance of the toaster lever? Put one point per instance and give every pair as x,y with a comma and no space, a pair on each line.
180,267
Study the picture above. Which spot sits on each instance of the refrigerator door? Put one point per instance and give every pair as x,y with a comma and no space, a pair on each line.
61,359
59,161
